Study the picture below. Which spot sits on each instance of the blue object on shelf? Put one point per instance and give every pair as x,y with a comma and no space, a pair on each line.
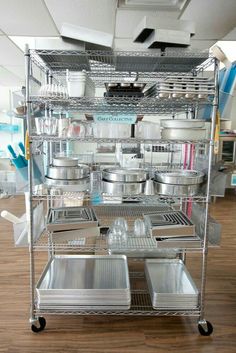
9,128
22,147
18,161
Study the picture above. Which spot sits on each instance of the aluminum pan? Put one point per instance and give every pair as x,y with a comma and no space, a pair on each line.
77,276
79,172
65,162
125,175
113,188
179,177
170,282
176,190
183,134
182,123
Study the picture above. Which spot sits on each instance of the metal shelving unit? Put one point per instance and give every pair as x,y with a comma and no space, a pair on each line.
109,66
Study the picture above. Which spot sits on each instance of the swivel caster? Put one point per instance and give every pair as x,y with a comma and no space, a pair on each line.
41,327
205,328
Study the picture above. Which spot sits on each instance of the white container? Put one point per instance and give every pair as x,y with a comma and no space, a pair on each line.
110,130
79,84
148,130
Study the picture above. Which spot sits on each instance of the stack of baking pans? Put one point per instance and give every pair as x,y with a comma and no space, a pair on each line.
170,285
124,181
178,182
66,173
183,129
89,282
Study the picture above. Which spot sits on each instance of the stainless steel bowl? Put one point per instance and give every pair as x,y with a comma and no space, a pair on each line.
182,123
125,175
114,188
176,190
79,172
179,177
65,162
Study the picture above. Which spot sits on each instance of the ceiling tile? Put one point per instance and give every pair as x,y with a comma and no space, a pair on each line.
26,18
93,14
16,70
10,53
7,78
213,18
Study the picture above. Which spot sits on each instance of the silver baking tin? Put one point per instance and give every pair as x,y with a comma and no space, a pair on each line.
114,188
183,134
182,123
170,284
125,175
61,182
179,177
68,218
65,161
169,224
85,281
79,172
176,190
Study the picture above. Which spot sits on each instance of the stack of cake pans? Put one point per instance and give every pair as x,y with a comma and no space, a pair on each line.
89,282
124,181
178,182
65,172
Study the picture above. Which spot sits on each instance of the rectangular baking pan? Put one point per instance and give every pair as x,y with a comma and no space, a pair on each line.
69,218
169,224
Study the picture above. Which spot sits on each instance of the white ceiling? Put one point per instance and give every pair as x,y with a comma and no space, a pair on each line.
214,19
26,18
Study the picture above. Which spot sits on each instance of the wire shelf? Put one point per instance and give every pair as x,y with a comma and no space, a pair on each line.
121,104
135,247
43,137
144,199
141,304
172,60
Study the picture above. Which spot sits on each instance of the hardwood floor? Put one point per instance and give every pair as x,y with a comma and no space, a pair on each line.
120,334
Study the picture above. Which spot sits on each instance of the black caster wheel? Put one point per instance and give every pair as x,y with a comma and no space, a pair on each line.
205,329
41,327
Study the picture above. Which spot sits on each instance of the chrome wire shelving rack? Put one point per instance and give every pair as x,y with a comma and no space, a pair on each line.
118,66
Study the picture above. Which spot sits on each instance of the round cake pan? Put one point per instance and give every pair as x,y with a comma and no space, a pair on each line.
63,173
125,175
73,185
182,123
176,190
65,162
183,134
114,188
179,177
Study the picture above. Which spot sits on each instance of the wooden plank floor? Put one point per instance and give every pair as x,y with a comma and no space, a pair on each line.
120,334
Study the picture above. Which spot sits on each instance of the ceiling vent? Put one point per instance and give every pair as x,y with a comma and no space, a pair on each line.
158,5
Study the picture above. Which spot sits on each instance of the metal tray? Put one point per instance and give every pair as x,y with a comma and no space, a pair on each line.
183,134
85,280
125,175
170,284
182,123
64,173
169,224
114,188
179,177
176,190
68,218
